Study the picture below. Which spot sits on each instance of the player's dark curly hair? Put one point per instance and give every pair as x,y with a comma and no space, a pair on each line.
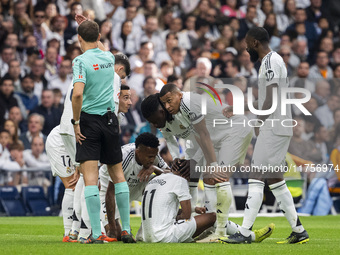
148,140
151,104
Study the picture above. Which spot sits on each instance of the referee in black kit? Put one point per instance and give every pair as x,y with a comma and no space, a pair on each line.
96,127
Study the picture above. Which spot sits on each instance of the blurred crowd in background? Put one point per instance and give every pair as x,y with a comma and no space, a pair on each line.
167,41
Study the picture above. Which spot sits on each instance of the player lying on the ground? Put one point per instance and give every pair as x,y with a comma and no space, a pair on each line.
172,127
139,159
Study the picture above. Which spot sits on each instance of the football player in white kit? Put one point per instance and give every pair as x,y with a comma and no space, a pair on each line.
161,220
60,148
139,159
272,141
172,128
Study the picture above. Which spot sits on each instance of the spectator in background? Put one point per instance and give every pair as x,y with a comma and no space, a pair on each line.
17,162
233,68
167,69
73,51
26,94
300,49
304,28
315,11
310,123
7,98
321,69
136,80
106,33
247,67
326,44
151,34
202,72
50,12
247,22
32,53
51,114
16,116
319,141
7,54
115,11
232,9
149,86
301,79
285,52
146,53
72,25
12,40
12,128
22,22
58,26
58,99
171,41
151,8
63,79
38,75
325,113
176,80
126,42
35,126
322,91
37,158
40,29
51,64
311,105
14,73
301,148
334,130
177,56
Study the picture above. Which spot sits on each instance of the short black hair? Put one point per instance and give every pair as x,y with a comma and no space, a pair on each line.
5,78
147,139
171,33
235,63
259,33
148,78
150,105
173,78
124,87
122,59
170,87
27,76
89,31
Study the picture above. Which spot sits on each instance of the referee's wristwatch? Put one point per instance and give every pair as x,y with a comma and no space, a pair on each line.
74,122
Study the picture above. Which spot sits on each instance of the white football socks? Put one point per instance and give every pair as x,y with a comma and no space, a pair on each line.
286,204
210,198
85,227
224,197
194,194
77,204
253,204
67,210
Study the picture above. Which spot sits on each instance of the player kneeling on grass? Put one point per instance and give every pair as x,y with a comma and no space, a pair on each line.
140,160
162,221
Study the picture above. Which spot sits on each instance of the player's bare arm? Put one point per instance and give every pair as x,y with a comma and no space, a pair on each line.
185,213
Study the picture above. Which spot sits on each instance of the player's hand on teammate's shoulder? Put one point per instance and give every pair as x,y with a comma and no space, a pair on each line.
145,173
183,166
228,112
200,210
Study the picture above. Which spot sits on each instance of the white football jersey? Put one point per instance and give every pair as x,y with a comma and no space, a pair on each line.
116,91
191,113
66,126
160,204
131,170
55,138
273,71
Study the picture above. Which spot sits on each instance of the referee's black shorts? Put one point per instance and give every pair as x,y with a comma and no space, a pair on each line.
102,140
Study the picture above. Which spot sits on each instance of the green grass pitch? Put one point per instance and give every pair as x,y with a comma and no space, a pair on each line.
43,235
